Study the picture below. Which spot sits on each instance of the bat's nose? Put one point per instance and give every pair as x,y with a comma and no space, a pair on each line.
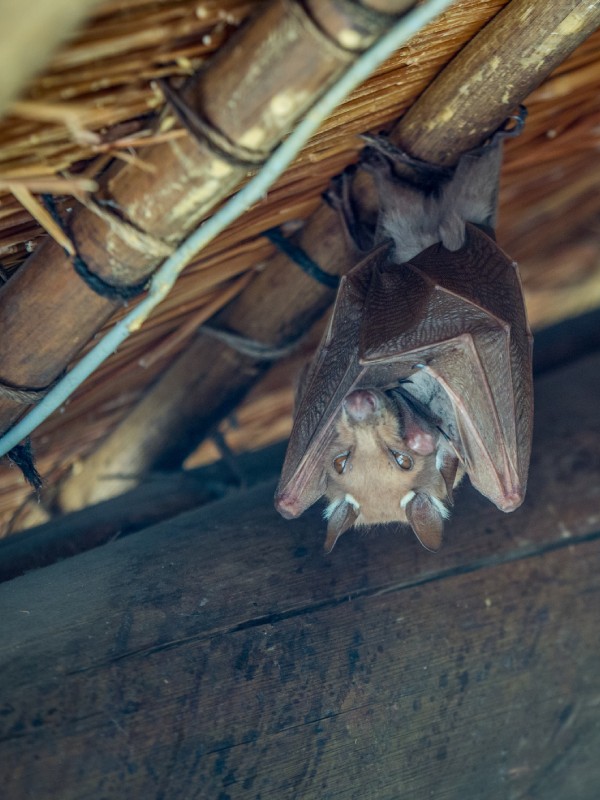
361,404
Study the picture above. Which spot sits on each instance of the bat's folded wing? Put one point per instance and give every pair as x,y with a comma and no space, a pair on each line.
452,320
459,318
333,374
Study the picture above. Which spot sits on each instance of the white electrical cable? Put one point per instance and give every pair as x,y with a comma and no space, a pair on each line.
163,279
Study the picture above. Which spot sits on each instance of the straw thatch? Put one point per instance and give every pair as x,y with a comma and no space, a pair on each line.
97,100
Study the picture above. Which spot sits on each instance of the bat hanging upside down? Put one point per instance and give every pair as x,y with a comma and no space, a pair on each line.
394,461
424,372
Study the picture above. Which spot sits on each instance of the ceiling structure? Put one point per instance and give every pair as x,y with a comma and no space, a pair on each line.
99,99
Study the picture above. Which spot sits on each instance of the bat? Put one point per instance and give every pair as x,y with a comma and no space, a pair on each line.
424,372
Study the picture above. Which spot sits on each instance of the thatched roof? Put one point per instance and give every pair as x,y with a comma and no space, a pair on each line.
98,99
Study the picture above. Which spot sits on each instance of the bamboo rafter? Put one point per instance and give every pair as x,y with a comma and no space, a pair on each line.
296,196
468,101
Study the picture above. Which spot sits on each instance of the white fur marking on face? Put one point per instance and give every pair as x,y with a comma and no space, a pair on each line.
406,499
443,511
327,512
354,503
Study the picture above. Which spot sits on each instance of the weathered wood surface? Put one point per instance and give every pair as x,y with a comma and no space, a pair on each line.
161,497
222,655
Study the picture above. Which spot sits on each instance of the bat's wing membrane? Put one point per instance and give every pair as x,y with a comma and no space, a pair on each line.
449,319
334,373
460,317
457,316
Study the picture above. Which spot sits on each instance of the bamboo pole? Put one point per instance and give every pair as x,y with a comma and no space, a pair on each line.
48,311
525,42
509,58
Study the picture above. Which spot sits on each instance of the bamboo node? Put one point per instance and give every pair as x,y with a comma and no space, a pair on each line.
97,284
108,290
299,13
23,395
134,237
200,130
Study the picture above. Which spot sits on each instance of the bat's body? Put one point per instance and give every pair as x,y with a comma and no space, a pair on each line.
427,355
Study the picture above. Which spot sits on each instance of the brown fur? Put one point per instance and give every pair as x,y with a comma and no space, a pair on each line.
372,476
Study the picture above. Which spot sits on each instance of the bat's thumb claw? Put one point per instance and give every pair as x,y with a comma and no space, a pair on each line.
288,505
511,500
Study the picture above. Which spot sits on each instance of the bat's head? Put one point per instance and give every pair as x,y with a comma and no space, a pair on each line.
387,464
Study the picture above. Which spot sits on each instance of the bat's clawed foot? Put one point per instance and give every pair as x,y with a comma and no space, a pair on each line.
358,227
388,161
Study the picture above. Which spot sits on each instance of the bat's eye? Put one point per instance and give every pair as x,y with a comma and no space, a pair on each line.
339,463
403,460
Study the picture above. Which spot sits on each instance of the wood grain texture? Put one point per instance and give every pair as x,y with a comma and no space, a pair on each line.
222,655
161,497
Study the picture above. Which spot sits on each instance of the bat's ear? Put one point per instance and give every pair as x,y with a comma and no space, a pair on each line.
343,517
426,518
448,465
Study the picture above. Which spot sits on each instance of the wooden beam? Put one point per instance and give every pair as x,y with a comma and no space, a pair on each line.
223,655
159,497
164,495
524,43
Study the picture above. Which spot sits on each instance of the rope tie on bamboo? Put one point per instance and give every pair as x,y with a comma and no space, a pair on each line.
204,133
251,347
21,455
134,238
97,284
301,258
